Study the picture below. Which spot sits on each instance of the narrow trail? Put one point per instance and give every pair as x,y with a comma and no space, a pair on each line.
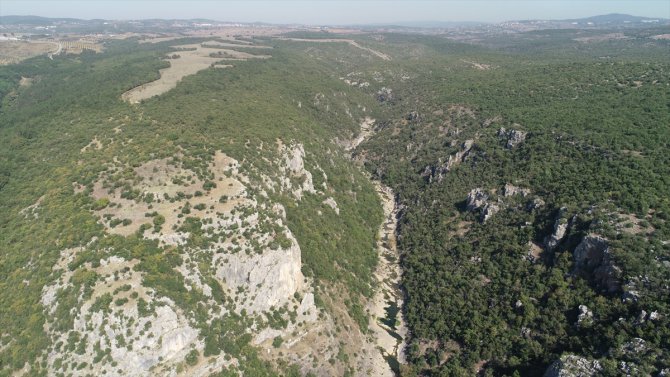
387,324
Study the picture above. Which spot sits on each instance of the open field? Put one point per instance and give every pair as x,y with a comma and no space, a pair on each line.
379,54
14,51
191,59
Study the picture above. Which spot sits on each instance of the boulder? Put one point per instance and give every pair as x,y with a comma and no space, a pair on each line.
385,94
514,137
477,198
489,210
633,347
573,366
630,292
560,229
535,204
590,252
585,316
511,190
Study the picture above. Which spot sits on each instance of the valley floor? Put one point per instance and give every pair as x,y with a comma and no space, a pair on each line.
388,324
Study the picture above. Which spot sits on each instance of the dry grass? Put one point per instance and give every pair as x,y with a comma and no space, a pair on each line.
159,39
188,63
12,52
479,66
26,81
462,228
534,250
631,224
378,54
237,44
77,47
159,177
94,144
232,32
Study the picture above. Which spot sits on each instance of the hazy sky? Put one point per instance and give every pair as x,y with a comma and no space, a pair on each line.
335,12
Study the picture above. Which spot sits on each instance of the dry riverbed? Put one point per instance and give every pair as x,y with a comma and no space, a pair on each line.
387,324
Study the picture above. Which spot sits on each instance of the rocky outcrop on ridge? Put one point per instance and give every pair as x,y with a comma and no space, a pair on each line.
593,259
573,366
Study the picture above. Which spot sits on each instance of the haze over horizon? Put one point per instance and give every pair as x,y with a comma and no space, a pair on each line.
334,12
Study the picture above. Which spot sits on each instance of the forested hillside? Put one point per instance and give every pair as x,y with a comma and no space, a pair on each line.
534,183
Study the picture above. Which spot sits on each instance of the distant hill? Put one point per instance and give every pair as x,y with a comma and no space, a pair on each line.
431,24
617,18
606,21
33,20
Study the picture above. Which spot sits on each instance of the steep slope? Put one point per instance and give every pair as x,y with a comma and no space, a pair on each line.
184,234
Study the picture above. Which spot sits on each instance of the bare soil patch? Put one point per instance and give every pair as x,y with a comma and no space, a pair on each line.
479,66
631,224
26,81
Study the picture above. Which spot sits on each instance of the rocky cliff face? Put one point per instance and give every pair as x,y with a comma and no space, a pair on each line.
267,280
560,229
478,200
235,250
436,173
121,338
592,257
296,177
